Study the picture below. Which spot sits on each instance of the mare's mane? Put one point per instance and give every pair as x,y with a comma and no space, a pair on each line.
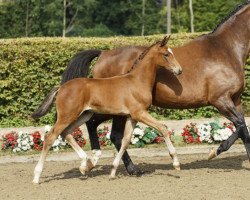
232,13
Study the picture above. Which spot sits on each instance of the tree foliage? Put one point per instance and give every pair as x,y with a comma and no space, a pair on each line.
20,18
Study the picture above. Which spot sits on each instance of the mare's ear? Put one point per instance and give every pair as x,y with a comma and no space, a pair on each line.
164,41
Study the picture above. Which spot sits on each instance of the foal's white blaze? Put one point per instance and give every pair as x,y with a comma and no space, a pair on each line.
170,50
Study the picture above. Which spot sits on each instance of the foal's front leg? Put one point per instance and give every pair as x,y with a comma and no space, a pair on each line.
129,127
146,118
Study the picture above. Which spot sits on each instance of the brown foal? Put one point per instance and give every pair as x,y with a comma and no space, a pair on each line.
78,99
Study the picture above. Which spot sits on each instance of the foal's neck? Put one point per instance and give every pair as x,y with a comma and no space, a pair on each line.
145,72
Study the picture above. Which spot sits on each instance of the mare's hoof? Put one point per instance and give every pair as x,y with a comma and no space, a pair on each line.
212,154
133,170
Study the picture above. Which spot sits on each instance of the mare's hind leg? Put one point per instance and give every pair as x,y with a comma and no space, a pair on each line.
86,165
118,126
129,127
233,112
146,118
92,125
48,141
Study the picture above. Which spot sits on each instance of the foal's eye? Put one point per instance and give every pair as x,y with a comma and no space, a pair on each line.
166,55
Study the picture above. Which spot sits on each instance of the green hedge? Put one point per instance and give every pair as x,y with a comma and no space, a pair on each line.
30,67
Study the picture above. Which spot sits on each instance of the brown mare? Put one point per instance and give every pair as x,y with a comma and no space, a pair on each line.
78,99
213,74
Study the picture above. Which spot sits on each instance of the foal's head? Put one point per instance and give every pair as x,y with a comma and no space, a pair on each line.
164,56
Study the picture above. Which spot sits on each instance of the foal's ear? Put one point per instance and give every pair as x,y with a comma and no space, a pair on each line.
165,40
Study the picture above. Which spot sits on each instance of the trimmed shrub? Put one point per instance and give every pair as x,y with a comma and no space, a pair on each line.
31,67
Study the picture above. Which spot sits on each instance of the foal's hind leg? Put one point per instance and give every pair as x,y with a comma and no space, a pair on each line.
116,136
86,165
227,108
129,127
48,141
146,118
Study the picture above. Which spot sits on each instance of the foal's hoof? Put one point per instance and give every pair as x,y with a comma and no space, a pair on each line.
212,154
134,170
177,167
90,165
82,170
35,182
111,178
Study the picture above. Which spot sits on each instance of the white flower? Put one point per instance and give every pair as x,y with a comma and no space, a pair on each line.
16,149
56,143
24,148
20,133
24,142
47,128
217,137
138,131
135,140
108,135
204,131
56,148
225,133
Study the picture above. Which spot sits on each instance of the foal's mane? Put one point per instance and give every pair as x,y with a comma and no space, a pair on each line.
238,8
141,56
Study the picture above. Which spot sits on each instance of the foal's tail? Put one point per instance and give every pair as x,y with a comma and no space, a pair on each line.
79,65
46,104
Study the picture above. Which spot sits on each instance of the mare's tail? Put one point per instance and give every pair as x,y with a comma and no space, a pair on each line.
46,104
79,65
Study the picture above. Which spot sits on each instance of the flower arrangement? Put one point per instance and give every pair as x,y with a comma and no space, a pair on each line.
78,136
37,140
190,134
149,135
211,132
9,140
24,142
221,133
21,142
104,136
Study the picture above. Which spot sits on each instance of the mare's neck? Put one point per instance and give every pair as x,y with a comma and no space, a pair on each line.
235,34
145,72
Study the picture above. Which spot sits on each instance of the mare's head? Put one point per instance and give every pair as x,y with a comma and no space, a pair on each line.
164,56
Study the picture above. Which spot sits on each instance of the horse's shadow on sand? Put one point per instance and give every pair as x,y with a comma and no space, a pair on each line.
226,164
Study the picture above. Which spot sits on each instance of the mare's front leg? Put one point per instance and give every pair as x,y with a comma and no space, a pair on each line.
146,118
232,111
117,131
129,127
